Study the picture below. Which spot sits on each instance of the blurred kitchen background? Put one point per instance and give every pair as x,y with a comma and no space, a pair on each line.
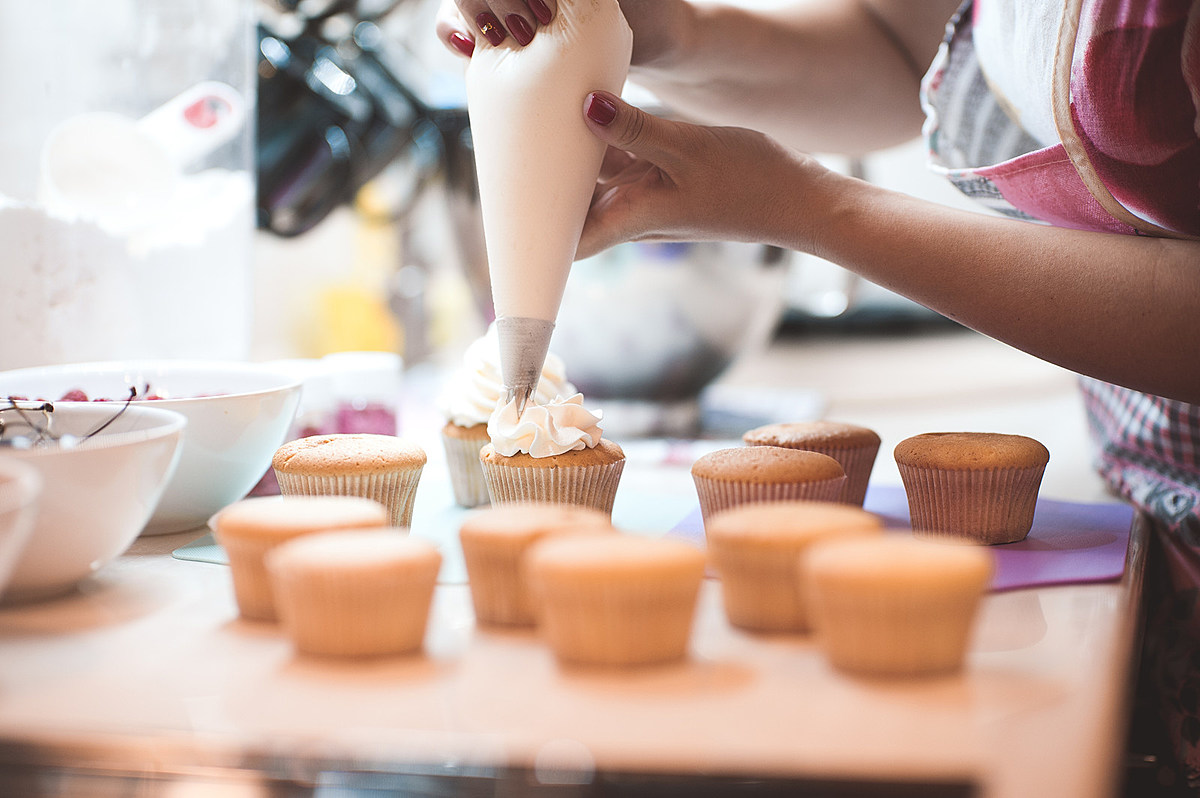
326,204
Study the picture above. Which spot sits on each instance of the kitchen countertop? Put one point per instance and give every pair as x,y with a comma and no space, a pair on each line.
146,675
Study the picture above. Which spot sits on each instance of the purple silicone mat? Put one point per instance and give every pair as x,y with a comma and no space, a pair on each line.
1070,543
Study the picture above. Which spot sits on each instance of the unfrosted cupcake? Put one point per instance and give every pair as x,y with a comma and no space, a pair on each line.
355,593
247,530
755,548
551,453
893,605
976,486
467,402
615,600
380,467
746,474
494,542
853,446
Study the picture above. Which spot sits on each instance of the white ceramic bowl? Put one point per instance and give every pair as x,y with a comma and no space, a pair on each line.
20,489
97,493
238,414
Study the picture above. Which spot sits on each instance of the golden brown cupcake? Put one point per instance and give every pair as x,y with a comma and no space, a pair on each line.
250,528
462,445
355,593
976,486
892,605
756,548
494,542
585,477
853,446
615,600
380,467
747,474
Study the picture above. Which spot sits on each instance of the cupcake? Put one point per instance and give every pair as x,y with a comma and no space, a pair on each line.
552,453
250,528
354,593
853,446
467,403
615,600
494,542
742,475
892,605
380,467
976,486
755,548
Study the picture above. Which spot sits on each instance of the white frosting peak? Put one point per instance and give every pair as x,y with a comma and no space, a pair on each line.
545,430
473,391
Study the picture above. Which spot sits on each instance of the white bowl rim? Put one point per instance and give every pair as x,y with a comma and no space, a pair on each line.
165,423
287,381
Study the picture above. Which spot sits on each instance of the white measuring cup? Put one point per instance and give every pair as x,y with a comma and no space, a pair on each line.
120,172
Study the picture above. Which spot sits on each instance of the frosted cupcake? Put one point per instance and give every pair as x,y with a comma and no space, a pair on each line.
354,593
747,474
552,453
380,467
494,543
467,402
893,605
755,548
247,530
616,600
853,446
976,486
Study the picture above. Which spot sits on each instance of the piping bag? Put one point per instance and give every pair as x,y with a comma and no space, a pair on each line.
537,164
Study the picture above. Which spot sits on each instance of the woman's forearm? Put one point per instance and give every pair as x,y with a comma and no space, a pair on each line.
834,76
1125,309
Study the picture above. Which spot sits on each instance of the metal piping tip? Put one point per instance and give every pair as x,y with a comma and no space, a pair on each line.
524,343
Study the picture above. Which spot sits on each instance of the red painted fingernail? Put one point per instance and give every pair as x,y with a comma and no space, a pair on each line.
520,28
540,10
489,26
463,44
601,110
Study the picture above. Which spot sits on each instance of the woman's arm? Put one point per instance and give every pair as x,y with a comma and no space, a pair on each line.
1120,308
834,76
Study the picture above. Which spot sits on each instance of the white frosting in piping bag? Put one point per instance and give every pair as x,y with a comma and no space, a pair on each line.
562,425
536,161
475,389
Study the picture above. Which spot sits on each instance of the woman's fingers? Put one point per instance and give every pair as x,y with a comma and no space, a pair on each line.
494,21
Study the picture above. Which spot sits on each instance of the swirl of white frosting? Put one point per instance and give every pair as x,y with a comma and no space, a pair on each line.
559,426
474,390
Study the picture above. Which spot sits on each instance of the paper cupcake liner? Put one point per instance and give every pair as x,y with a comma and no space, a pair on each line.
466,475
498,591
395,490
251,583
344,614
588,486
622,625
986,506
890,634
718,494
857,463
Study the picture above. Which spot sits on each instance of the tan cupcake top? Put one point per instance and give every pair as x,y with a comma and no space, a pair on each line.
602,453
970,451
283,517
766,464
524,521
803,434
361,551
900,561
620,559
475,431
786,524
347,453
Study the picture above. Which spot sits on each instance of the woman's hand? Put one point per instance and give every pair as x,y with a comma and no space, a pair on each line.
459,22
671,181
